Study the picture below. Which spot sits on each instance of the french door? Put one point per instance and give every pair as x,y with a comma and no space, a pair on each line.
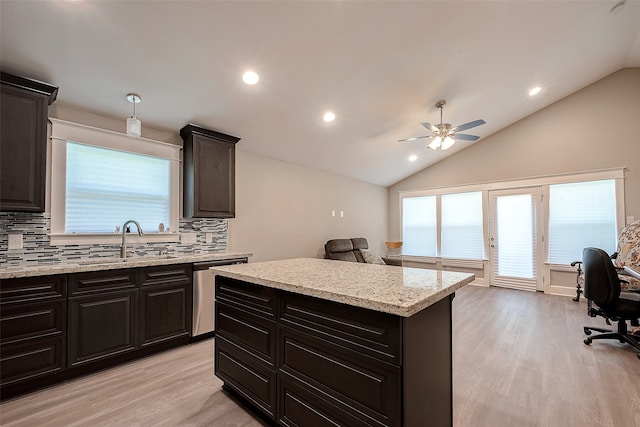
515,239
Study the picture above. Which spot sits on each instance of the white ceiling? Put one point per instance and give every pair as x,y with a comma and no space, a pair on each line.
381,66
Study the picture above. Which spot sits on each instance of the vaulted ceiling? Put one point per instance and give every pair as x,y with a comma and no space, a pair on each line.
379,65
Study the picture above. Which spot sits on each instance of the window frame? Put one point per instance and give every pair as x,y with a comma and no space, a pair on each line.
543,182
63,132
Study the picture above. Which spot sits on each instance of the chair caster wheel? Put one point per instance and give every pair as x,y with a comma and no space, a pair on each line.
588,341
587,331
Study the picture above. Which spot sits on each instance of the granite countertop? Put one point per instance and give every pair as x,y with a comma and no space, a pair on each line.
402,291
97,264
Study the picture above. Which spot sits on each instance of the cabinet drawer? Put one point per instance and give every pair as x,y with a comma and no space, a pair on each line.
25,321
245,375
253,333
298,407
31,289
363,384
179,274
369,332
31,359
98,281
254,299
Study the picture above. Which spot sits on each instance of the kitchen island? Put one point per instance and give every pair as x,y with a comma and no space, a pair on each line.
320,342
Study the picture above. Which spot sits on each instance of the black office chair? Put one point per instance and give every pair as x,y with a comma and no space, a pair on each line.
602,288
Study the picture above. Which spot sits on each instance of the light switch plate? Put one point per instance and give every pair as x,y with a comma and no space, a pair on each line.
208,237
188,237
15,241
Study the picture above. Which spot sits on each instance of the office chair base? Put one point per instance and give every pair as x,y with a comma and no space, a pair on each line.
621,335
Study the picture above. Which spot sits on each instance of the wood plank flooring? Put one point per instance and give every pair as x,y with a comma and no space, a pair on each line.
519,361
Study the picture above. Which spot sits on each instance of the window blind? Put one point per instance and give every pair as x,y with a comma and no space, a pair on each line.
515,231
419,227
106,187
461,228
581,214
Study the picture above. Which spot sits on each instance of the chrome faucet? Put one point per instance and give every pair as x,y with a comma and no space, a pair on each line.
123,246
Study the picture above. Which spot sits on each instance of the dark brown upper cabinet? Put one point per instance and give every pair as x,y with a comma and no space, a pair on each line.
209,173
23,142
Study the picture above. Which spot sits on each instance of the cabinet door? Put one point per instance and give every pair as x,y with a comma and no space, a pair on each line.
101,325
23,143
209,173
163,313
165,303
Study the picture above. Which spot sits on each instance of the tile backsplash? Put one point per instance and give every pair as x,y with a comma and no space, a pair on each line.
35,228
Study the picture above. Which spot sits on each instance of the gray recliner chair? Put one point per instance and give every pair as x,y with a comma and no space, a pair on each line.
349,250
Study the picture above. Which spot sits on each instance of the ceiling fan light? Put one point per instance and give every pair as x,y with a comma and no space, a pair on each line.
448,142
435,143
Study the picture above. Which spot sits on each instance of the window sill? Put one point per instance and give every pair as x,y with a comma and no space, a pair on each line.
110,238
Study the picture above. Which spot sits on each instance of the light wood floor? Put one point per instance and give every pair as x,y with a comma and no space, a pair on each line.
519,361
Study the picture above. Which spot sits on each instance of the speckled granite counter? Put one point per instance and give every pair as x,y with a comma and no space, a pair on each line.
98,264
396,290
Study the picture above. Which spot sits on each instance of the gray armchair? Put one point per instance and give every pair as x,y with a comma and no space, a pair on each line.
354,250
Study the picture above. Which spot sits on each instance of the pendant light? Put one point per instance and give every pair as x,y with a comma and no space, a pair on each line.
134,127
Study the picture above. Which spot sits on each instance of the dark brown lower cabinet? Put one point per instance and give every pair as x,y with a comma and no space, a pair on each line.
32,331
333,364
102,325
53,328
165,303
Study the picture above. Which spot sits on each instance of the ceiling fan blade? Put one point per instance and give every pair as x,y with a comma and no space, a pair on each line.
415,137
468,125
467,137
432,128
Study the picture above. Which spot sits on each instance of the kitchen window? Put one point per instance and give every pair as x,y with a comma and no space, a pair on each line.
101,179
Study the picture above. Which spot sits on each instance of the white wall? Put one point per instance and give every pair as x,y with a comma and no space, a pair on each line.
595,128
284,210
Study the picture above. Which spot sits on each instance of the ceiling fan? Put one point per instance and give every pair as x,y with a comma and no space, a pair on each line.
444,135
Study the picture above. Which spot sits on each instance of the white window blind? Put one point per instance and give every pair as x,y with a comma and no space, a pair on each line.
461,228
419,227
106,187
581,215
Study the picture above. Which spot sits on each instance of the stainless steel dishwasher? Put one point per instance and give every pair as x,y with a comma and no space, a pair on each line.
203,297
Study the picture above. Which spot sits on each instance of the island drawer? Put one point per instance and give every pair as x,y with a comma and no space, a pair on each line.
365,331
255,334
298,407
254,299
246,375
362,385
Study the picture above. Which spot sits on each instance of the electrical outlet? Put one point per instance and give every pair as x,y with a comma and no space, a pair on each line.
188,237
14,241
208,237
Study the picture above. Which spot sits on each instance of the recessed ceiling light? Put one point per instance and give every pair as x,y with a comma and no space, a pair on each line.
329,116
413,158
250,78
534,91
